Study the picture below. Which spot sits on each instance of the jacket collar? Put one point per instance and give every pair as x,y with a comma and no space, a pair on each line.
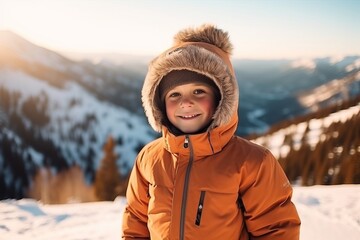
204,144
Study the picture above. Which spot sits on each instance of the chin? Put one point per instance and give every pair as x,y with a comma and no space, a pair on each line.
189,131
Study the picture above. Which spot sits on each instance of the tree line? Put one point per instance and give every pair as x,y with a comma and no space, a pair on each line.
70,185
335,159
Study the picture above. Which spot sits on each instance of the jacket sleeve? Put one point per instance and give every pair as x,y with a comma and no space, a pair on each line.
269,211
134,224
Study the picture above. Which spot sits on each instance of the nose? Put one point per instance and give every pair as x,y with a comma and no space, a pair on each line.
186,101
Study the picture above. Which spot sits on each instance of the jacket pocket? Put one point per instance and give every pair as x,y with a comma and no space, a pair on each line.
200,208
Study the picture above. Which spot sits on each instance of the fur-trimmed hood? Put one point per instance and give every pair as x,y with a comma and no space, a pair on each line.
205,50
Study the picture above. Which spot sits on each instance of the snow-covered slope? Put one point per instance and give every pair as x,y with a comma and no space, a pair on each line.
69,108
326,212
276,141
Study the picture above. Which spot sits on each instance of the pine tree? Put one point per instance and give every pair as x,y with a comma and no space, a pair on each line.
107,177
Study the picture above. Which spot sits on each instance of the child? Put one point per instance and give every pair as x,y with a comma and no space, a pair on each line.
198,180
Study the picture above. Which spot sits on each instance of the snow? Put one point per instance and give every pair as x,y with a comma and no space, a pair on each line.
355,65
326,212
304,63
336,59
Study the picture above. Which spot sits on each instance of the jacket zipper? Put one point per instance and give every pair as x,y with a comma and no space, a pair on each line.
200,208
208,136
241,206
187,144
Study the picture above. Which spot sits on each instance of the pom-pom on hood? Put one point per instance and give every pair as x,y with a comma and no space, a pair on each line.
207,34
205,50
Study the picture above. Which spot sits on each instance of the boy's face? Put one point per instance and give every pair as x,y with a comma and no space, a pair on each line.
190,107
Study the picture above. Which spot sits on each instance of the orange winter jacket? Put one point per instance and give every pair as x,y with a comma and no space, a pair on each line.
211,185
190,187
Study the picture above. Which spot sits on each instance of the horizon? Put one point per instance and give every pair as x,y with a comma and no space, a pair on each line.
119,57
258,30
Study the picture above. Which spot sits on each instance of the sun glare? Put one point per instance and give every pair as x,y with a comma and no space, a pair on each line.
147,27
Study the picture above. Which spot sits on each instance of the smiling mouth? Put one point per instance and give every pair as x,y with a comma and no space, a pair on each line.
189,116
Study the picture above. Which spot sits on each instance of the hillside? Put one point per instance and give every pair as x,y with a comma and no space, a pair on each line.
319,148
54,114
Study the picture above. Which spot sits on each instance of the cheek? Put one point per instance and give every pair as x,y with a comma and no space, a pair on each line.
207,105
170,107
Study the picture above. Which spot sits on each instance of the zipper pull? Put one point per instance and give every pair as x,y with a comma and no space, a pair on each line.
186,142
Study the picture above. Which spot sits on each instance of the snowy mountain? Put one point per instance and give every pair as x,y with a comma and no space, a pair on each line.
275,90
119,84
55,113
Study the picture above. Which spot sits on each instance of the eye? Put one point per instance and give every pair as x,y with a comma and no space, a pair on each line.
173,94
199,91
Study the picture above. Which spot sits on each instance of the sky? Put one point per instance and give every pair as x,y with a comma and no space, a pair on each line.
268,29
326,212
